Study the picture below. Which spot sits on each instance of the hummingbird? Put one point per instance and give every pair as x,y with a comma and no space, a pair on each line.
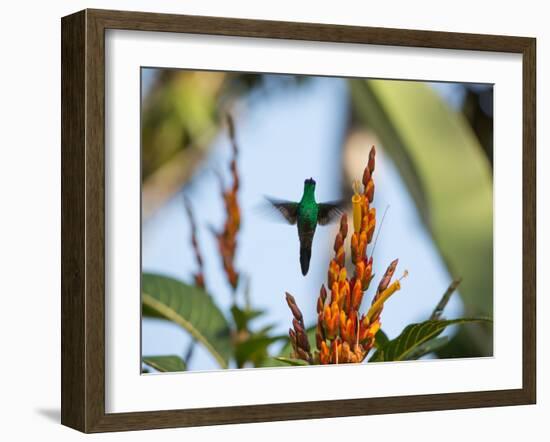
307,214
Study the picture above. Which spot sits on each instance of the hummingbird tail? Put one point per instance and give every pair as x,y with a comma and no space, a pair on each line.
305,256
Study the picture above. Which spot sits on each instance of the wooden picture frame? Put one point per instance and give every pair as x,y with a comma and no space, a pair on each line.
83,219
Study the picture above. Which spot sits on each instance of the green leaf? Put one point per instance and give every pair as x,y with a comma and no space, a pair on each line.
447,173
254,349
165,363
428,347
191,308
243,317
413,336
291,361
380,339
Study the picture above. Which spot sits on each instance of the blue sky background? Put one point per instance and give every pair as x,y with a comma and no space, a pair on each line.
285,137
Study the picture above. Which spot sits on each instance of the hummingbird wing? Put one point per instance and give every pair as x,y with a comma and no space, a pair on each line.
287,209
329,212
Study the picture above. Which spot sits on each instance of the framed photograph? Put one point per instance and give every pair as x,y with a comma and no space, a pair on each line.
268,220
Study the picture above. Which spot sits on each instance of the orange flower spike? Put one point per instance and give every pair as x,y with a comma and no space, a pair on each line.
336,268
335,293
341,257
357,209
363,332
371,159
354,323
343,295
334,310
365,221
347,293
335,348
350,328
371,162
322,298
326,316
291,302
319,334
292,336
335,320
331,357
372,224
369,191
363,244
342,276
331,274
324,354
338,242
385,281
350,332
374,328
365,203
301,336
298,335
367,276
357,295
359,352
355,256
370,234
343,323
341,335
345,353
366,175
344,225
360,270
365,321
330,321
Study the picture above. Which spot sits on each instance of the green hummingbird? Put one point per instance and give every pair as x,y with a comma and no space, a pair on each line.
307,214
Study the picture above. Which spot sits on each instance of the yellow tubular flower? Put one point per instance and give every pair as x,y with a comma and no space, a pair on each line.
384,296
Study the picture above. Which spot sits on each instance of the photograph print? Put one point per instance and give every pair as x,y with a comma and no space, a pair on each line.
296,220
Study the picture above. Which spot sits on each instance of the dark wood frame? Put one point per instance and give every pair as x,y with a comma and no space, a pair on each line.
83,220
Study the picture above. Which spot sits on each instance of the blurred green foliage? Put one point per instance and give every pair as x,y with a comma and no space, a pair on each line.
179,110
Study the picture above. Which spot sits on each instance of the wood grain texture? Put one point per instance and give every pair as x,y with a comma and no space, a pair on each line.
529,325
145,21
83,219
73,253
95,221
